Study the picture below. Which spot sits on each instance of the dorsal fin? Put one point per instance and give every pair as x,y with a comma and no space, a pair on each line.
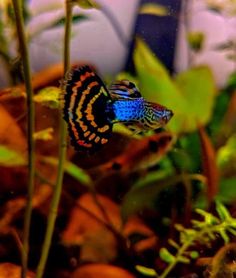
124,89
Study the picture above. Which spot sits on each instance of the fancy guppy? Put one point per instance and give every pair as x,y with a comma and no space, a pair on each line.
90,108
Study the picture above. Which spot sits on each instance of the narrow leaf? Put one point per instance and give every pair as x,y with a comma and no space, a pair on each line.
222,211
76,172
183,260
166,256
209,164
75,19
11,158
146,271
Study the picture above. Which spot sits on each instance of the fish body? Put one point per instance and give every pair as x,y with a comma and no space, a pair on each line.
91,109
139,112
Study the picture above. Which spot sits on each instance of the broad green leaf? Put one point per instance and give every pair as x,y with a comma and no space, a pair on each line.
226,156
156,85
144,195
166,256
154,9
45,134
198,89
190,96
11,158
146,271
227,191
49,97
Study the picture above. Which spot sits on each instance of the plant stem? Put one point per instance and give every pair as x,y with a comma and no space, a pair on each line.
173,264
30,127
62,156
202,234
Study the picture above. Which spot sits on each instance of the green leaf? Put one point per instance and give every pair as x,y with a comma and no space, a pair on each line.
49,97
141,197
154,9
70,168
227,191
224,236
45,134
87,4
183,260
75,19
166,256
145,195
231,230
191,96
156,84
11,158
78,173
222,211
187,235
209,218
173,244
194,254
226,155
146,271
198,89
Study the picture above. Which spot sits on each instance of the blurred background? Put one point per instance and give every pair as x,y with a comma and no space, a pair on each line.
108,46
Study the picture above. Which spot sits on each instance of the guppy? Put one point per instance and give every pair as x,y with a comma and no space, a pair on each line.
90,108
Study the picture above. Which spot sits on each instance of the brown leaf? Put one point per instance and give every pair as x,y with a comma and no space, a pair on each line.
86,228
48,76
209,164
11,136
9,270
135,225
101,271
228,126
10,133
138,154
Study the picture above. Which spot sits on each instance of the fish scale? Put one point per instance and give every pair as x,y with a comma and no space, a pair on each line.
128,110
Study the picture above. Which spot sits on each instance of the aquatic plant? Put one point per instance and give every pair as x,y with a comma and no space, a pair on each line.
202,232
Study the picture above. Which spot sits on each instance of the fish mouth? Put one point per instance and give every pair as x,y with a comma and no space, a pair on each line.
168,115
171,114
